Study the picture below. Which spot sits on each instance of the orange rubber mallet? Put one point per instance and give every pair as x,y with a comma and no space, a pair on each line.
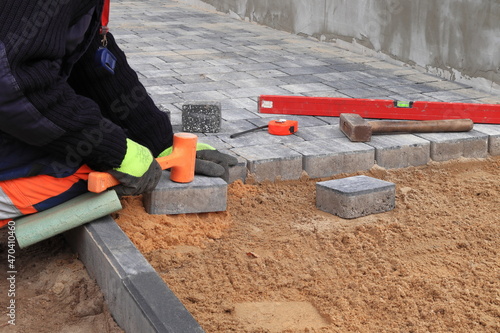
181,162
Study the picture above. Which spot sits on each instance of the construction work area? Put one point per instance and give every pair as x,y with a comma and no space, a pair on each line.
366,196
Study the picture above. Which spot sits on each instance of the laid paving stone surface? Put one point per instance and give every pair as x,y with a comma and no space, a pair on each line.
448,146
400,150
182,53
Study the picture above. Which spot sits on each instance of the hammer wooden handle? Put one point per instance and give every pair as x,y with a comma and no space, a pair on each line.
425,126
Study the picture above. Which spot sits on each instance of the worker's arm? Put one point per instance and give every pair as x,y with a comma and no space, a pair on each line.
37,105
122,98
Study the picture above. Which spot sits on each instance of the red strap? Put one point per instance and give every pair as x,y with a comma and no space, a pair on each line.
105,18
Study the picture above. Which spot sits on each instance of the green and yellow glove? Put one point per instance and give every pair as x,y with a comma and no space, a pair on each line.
209,161
138,173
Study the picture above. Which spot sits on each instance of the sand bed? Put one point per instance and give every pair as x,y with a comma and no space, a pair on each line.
274,263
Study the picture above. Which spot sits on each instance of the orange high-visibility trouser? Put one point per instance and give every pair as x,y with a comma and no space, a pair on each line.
29,195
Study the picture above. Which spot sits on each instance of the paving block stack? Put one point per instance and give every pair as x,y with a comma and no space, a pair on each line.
354,197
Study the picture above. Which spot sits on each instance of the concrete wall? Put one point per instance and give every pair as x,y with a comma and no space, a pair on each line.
457,39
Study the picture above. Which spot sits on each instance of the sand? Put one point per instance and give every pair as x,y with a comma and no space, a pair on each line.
274,263
53,291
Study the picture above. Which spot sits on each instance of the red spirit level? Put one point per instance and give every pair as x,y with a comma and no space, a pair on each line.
379,108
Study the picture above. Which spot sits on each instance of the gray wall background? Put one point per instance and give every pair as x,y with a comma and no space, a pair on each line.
456,39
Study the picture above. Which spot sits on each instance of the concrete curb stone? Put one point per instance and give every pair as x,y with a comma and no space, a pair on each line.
137,297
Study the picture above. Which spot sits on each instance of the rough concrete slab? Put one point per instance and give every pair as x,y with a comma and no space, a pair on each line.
493,132
136,295
354,197
202,195
400,151
271,162
201,117
448,146
325,158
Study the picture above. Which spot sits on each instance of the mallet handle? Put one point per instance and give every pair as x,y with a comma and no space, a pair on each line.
181,160
424,126
100,181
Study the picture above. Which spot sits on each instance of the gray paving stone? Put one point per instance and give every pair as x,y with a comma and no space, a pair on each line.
237,172
202,195
400,150
267,73
368,92
300,79
330,93
355,197
236,114
305,87
402,90
325,158
203,86
421,78
241,103
447,96
258,82
320,132
162,90
347,85
202,96
493,132
155,73
448,146
254,91
351,67
271,162
303,70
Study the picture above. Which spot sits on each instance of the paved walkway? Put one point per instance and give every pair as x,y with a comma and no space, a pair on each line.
185,54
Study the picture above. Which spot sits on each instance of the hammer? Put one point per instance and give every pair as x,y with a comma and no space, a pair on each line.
181,160
358,129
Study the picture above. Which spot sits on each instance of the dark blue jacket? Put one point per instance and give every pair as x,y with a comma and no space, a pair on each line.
57,109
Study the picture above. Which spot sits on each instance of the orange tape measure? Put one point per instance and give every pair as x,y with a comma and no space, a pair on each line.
283,127
275,127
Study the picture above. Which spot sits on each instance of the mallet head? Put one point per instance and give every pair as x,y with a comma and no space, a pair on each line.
355,127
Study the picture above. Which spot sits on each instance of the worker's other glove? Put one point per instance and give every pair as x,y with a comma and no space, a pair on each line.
209,161
139,172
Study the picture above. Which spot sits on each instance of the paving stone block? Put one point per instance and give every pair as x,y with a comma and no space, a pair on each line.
202,195
320,132
271,161
354,197
493,132
400,150
448,146
324,158
237,172
201,117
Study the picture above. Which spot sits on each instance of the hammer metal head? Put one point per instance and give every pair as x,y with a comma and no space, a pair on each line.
355,127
